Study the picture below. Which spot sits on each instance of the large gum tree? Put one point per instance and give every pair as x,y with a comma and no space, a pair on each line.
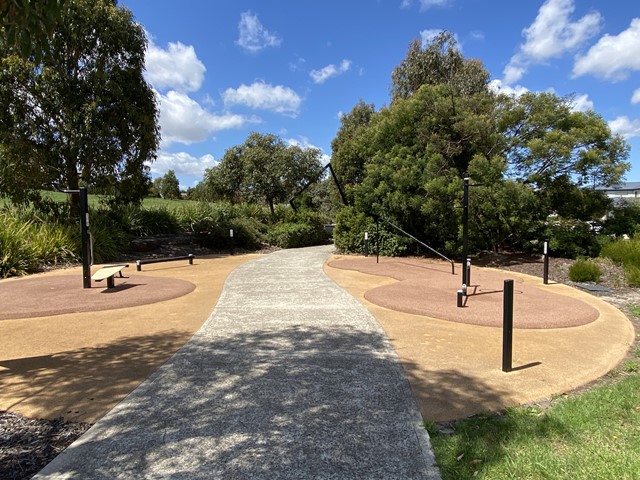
82,114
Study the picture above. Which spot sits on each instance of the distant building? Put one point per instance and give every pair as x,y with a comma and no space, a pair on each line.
627,191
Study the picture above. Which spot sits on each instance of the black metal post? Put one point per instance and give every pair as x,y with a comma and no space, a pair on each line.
465,234
366,244
507,326
84,235
377,241
545,274
460,299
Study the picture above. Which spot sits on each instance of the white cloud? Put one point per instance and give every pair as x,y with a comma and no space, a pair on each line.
425,4
613,56
253,36
322,75
625,126
498,86
550,36
581,103
305,144
177,67
260,95
635,98
182,163
183,120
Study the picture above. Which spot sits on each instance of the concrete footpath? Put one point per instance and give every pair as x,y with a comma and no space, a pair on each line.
290,377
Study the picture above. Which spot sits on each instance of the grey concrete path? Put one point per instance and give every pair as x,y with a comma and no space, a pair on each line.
290,377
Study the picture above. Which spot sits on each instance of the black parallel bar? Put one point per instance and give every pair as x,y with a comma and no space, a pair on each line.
545,275
507,327
139,263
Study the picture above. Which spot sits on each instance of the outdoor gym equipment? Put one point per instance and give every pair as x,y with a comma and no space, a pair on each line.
85,234
139,263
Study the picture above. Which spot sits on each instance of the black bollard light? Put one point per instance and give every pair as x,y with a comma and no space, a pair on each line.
507,326
366,244
545,274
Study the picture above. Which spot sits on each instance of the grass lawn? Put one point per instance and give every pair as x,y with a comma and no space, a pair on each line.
592,435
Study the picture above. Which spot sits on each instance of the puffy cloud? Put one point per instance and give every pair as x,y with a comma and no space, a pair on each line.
581,103
322,75
260,95
183,120
253,36
498,86
551,35
635,98
613,56
177,67
625,126
182,163
305,144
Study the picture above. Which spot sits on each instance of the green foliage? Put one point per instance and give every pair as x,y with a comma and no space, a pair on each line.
168,186
570,238
593,435
623,219
623,252
263,168
632,275
348,234
29,242
438,63
29,25
82,115
585,271
300,229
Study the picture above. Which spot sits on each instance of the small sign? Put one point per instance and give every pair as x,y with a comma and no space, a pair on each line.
366,235
231,233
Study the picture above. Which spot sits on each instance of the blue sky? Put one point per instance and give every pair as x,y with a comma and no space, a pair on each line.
223,69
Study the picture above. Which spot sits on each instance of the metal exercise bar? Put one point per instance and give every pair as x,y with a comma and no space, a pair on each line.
139,263
453,268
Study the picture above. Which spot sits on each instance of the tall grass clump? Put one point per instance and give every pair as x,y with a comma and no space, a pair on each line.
29,241
584,271
625,253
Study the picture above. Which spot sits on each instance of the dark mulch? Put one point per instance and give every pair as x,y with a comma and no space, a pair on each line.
27,445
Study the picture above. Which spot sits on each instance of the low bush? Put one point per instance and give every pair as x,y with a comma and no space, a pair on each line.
28,242
632,275
624,252
585,271
349,232
572,238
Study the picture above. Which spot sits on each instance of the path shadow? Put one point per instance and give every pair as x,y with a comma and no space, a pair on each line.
254,404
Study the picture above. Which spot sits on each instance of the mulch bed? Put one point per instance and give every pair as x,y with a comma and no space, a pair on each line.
26,445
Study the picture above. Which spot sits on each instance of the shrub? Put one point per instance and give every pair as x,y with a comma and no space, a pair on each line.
632,275
295,235
585,271
624,252
348,234
28,242
572,239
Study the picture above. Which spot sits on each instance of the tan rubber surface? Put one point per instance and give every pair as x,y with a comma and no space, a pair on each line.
455,369
79,365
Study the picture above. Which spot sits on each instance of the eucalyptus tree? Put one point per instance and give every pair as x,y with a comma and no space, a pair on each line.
83,113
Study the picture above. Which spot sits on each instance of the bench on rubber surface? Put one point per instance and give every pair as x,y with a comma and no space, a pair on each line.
108,272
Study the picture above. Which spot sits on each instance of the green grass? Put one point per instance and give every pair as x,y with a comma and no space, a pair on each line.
592,435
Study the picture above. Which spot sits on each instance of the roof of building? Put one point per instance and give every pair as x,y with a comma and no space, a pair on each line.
627,186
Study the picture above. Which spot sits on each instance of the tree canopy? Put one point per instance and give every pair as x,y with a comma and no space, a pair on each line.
532,156
263,168
83,114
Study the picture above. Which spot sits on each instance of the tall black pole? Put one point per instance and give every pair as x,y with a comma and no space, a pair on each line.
84,235
465,234
507,326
